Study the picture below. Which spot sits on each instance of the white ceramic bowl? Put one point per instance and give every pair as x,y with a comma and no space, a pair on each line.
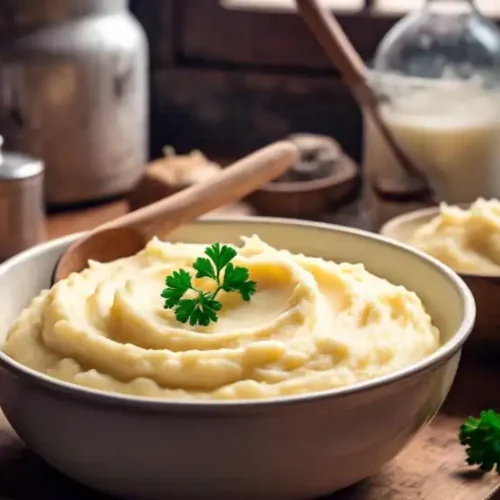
293,448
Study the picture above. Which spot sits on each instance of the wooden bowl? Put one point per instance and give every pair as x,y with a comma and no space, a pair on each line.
308,199
486,289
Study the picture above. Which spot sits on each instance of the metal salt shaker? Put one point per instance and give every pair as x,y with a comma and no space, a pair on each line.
22,214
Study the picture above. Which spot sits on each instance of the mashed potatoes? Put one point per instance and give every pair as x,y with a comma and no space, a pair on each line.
466,240
312,325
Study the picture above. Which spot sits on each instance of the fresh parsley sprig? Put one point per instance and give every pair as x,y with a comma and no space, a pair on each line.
481,436
217,266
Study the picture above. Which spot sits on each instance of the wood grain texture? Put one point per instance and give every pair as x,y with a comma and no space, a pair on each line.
230,113
157,19
432,467
75,221
273,39
197,46
231,98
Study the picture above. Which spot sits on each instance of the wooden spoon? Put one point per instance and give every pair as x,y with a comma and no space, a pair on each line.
128,234
344,56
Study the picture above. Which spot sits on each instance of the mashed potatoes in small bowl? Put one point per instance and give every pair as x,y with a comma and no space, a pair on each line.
467,239
348,346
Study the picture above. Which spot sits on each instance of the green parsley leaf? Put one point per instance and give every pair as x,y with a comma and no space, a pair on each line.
220,256
179,279
203,309
236,280
233,277
204,268
178,283
184,310
206,311
247,289
481,437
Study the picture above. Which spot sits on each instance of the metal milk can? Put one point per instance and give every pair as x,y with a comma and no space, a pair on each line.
74,92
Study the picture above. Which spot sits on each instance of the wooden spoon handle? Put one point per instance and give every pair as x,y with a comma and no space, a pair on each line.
344,56
232,184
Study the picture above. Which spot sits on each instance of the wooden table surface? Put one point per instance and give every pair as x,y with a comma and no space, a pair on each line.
432,467
60,224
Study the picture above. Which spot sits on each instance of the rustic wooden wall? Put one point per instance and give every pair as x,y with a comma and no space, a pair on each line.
229,81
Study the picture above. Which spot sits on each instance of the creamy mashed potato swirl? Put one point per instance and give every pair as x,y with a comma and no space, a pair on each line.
312,325
466,240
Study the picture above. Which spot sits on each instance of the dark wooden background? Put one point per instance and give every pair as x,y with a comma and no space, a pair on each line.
228,81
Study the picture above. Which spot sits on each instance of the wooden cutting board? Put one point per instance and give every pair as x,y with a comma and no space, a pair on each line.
432,467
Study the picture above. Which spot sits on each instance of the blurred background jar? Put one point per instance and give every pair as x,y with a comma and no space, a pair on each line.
437,73
74,92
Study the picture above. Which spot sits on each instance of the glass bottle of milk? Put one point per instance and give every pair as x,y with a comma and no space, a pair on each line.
437,73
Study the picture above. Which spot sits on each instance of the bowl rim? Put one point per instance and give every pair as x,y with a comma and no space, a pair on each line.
440,356
402,219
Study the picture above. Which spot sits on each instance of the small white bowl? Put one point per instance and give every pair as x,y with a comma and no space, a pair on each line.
291,448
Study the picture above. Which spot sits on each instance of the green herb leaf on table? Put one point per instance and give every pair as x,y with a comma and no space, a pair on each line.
481,436
202,310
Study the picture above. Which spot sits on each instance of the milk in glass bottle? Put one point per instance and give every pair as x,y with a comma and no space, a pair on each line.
437,74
